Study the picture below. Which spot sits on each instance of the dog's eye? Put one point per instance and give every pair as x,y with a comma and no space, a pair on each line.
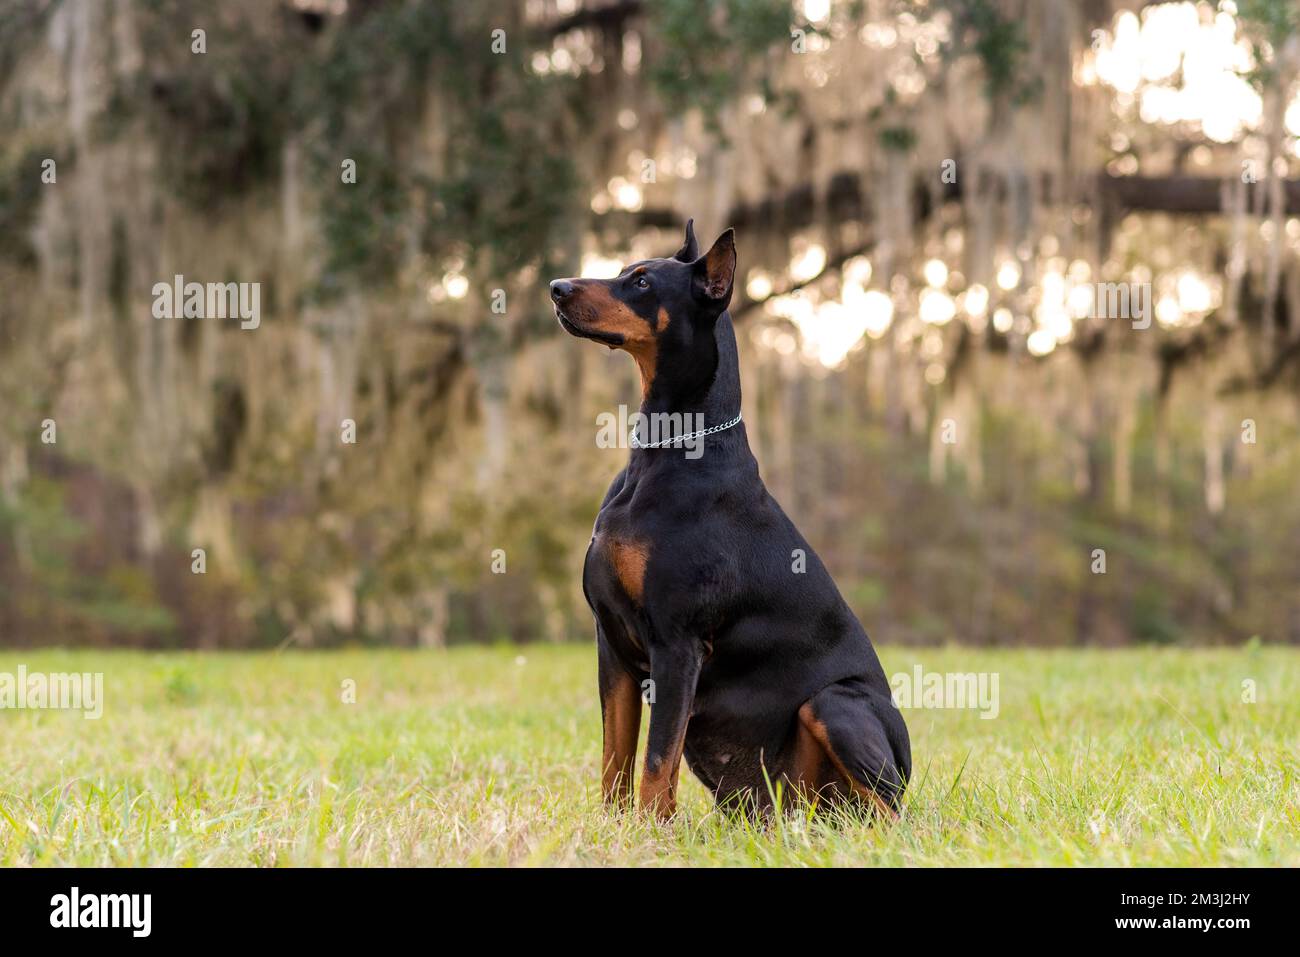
642,282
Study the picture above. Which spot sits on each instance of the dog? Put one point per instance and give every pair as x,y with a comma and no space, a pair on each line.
708,602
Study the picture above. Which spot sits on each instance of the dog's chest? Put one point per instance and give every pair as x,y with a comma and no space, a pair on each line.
618,561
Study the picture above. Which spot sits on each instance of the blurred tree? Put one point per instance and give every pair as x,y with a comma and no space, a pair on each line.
929,197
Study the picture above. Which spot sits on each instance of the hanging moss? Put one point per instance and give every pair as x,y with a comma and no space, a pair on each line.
705,47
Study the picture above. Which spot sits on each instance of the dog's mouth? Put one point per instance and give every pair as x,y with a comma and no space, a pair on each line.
573,329
566,323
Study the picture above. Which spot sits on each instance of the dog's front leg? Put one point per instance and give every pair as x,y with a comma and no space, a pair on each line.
620,709
674,670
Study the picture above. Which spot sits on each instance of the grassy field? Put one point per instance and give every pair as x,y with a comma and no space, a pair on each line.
489,757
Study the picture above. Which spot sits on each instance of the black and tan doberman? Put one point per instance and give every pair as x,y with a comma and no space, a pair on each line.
705,595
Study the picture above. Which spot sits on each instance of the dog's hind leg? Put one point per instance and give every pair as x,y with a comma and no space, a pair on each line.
863,738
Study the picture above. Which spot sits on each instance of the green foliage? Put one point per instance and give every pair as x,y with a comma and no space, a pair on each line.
1276,20
898,139
704,48
509,192
221,113
999,41
1267,26
356,91
20,190
369,84
53,575
1152,620
361,224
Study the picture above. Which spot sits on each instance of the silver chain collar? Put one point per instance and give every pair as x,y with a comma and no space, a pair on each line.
637,444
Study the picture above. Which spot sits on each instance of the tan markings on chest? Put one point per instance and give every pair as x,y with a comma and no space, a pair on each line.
629,561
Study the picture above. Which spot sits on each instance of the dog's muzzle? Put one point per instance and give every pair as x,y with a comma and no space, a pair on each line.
561,289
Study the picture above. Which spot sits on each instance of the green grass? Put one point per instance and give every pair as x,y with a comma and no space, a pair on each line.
490,756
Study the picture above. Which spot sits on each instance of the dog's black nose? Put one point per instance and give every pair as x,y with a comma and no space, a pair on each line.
561,289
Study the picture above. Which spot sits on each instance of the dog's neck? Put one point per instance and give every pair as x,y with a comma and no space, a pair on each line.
716,396
712,401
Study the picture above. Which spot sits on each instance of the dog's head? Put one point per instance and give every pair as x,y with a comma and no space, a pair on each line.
661,311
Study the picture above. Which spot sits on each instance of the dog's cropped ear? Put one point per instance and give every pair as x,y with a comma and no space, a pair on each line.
715,271
690,250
